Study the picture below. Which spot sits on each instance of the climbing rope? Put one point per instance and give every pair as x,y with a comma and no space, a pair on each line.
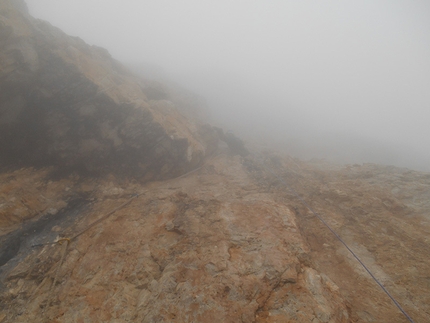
64,242
342,241
89,226
104,217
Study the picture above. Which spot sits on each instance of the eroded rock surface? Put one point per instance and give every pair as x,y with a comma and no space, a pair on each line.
382,213
228,243
212,246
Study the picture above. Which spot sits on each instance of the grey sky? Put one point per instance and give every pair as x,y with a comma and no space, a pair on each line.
289,68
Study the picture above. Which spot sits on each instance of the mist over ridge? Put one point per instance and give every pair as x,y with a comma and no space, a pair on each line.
336,80
155,181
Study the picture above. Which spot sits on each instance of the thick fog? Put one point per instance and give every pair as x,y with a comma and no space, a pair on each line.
341,80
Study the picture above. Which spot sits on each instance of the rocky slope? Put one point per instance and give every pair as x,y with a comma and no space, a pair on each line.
226,243
383,214
212,246
186,229
68,104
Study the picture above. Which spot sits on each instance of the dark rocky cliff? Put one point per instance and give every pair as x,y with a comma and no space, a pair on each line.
67,104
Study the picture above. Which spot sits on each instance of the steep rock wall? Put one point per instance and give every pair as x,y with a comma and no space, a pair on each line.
68,104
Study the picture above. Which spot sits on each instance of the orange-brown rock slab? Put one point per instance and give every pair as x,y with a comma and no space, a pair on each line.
196,249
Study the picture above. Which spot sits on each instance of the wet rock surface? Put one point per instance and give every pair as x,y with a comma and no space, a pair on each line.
18,243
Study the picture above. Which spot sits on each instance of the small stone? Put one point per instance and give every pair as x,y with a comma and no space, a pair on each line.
289,276
169,226
52,211
56,228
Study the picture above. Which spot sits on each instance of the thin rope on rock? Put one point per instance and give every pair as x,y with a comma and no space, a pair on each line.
66,241
342,241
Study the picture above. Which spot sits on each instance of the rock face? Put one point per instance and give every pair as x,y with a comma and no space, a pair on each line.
226,243
383,214
218,238
68,104
213,246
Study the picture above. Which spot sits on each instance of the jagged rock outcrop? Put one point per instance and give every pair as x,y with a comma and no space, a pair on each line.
65,103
